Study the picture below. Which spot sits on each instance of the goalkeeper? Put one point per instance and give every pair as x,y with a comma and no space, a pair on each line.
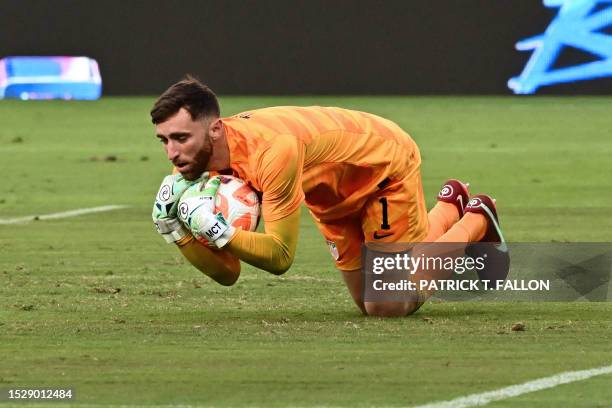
358,174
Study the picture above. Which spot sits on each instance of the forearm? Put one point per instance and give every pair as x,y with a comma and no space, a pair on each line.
221,266
272,251
263,251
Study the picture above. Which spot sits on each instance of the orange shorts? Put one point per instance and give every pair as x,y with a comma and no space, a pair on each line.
396,213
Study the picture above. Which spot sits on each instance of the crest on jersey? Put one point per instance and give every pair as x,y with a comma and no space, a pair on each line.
333,249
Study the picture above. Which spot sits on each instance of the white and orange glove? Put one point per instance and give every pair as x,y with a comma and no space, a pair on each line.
196,210
165,208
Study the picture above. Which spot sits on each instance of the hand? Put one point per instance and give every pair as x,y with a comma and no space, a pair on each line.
196,210
165,216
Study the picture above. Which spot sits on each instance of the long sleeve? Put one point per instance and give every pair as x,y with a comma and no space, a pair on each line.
272,251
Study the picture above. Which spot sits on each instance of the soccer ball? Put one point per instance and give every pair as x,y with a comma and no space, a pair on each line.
238,203
235,200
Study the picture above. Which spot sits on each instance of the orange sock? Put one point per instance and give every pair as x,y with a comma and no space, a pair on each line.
471,228
441,218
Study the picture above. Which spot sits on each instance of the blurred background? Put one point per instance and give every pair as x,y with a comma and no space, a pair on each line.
298,47
97,301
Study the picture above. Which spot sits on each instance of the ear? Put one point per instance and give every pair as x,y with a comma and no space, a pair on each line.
216,128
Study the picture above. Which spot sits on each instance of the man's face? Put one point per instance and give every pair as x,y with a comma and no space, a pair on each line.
187,143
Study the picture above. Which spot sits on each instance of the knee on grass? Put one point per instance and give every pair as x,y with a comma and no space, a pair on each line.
391,309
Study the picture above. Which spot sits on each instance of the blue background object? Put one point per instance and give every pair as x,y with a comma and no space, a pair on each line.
579,24
280,47
276,47
50,78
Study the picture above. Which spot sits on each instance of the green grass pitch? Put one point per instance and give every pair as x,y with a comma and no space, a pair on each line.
101,304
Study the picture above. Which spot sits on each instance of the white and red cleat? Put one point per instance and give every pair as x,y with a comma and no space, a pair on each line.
493,245
455,192
485,205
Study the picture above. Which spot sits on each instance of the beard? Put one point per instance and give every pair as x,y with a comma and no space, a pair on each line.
200,161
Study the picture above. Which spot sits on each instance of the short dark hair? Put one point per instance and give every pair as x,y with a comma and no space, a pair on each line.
189,93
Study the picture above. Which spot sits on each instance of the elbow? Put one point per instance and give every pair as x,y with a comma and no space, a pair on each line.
284,261
278,271
226,280
225,276
280,267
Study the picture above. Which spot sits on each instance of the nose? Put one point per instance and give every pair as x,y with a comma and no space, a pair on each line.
171,150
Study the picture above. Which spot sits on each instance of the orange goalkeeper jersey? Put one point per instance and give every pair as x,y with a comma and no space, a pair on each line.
330,157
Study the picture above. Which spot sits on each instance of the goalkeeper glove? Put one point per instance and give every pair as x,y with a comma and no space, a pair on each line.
165,209
196,210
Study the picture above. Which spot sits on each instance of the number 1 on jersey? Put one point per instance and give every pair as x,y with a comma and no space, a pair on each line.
385,218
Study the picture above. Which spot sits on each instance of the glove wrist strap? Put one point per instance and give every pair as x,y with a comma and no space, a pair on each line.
185,240
225,237
218,231
171,229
